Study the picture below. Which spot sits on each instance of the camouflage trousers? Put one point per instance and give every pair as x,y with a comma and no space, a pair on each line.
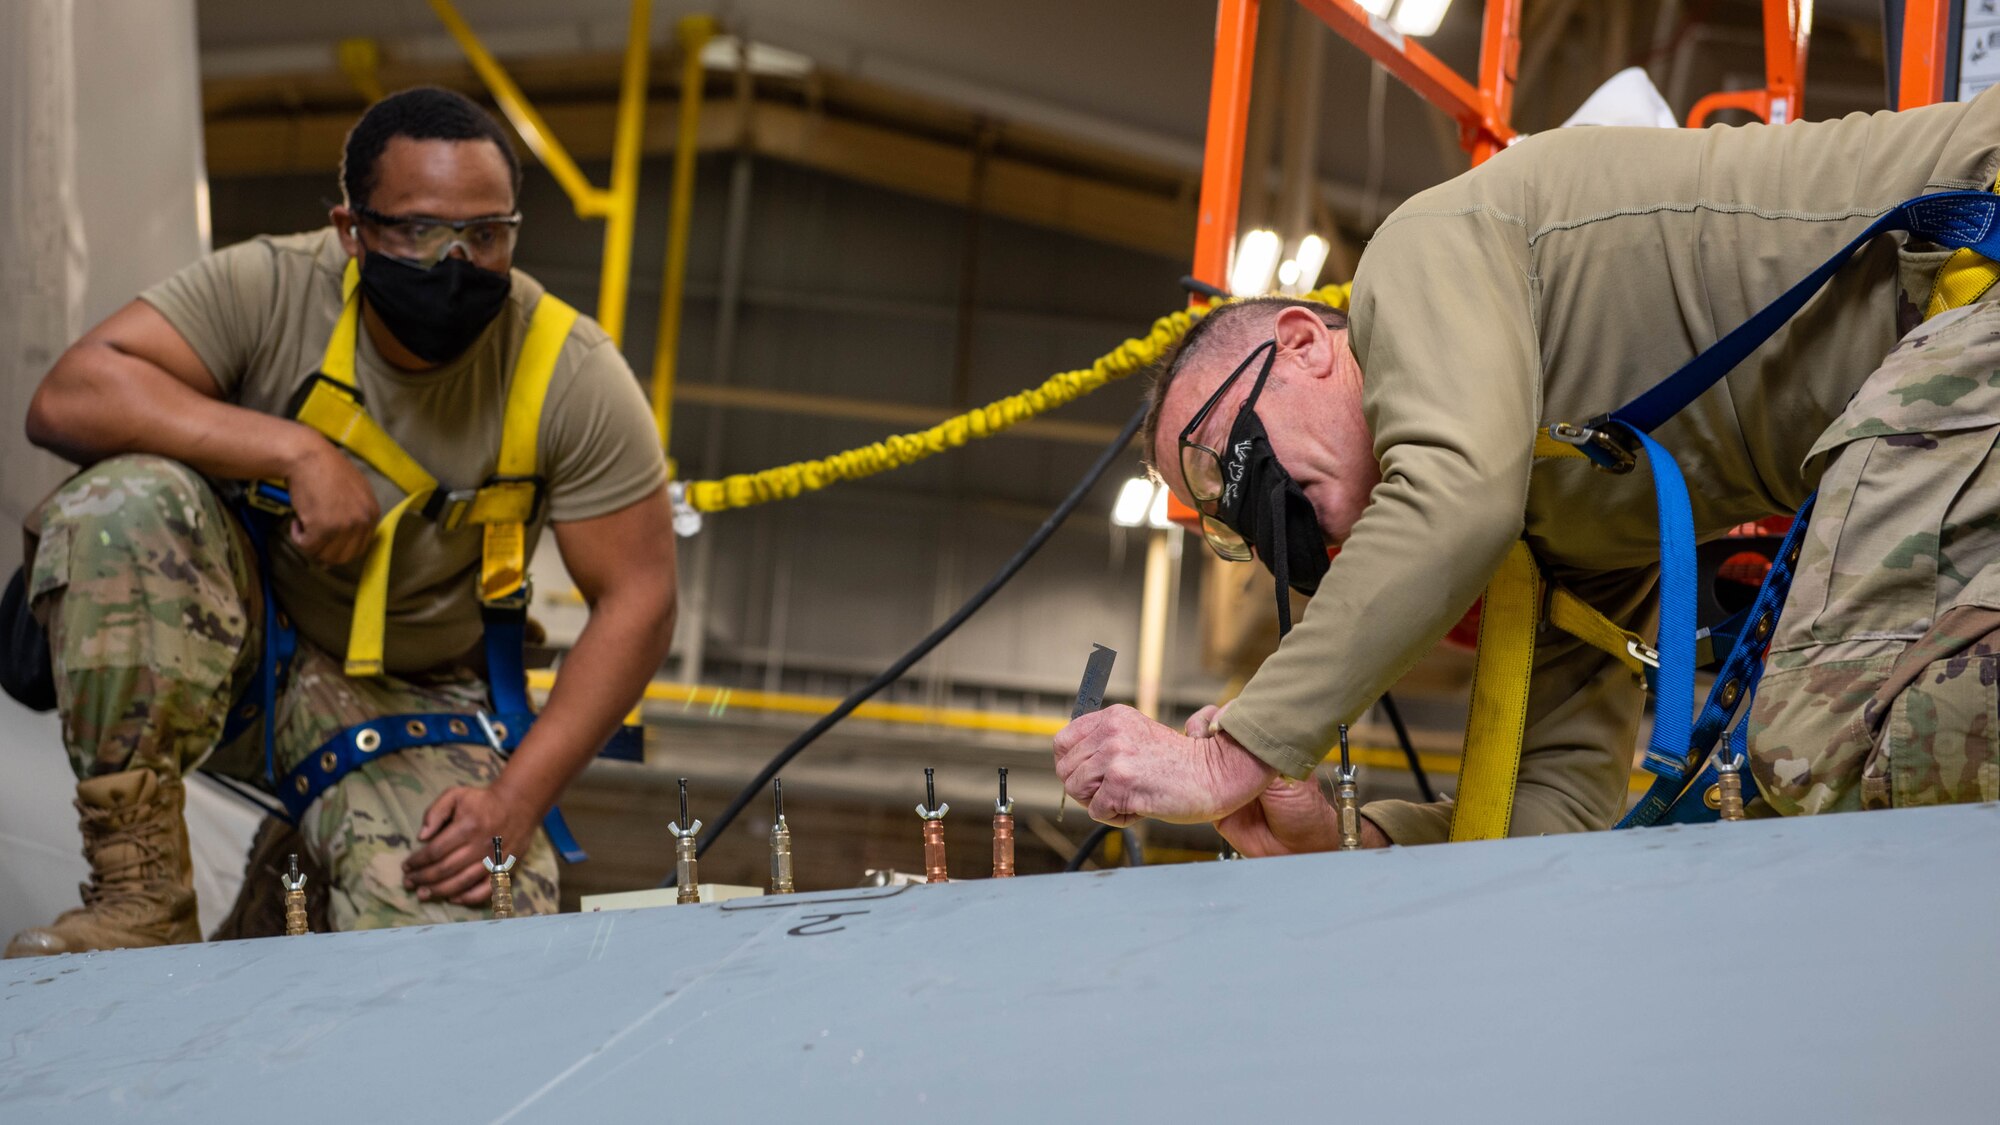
1883,683
150,592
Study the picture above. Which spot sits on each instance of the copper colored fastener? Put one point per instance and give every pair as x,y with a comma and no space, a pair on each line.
1003,832
933,816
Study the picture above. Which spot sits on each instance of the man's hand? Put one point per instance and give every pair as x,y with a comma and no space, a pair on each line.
1122,766
1287,818
457,834
1291,818
335,511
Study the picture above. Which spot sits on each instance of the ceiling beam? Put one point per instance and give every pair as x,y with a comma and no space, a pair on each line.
280,142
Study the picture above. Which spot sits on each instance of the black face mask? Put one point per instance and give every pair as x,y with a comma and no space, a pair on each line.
1264,505
438,312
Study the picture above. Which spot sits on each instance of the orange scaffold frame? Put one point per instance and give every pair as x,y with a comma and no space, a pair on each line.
1926,41
1483,111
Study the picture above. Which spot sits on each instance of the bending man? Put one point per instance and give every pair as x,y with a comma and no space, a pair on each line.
1554,283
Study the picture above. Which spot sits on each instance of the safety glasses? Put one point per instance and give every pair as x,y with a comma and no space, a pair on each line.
1209,482
425,241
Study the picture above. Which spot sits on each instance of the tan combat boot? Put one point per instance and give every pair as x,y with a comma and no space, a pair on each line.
141,889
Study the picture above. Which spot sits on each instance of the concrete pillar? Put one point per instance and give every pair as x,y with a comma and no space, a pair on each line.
102,192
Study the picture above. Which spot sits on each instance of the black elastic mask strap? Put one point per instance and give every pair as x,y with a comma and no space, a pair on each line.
1281,560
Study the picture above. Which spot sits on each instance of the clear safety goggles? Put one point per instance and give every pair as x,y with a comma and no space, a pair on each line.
425,241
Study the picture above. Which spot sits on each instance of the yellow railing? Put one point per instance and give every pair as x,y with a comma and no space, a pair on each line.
617,204
716,702
695,32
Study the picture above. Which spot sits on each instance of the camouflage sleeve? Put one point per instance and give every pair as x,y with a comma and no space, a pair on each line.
222,305
599,447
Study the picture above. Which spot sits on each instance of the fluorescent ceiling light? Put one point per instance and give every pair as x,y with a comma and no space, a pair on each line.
1419,17
1288,275
1377,7
1133,501
1141,503
1310,258
1256,262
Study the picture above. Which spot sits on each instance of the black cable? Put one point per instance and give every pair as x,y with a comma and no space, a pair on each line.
1093,841
937,636
1409,749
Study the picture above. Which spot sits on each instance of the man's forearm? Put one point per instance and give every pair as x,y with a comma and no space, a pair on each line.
602,677
99,402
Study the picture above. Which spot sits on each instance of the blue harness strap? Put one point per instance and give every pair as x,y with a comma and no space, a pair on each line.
1681,751
1675,795
275,661
1673,694
507,679
1958,219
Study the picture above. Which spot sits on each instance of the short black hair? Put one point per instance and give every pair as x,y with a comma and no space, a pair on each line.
1225,323
421,113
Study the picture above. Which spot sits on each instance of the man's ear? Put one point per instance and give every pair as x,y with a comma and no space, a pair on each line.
344,227
1304,339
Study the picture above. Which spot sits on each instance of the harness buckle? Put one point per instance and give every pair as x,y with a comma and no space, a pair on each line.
508,606
453,508
1607,452
269,496
448,507
311,383
1649,662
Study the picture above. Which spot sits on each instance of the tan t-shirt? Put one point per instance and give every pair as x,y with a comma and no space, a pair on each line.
259,314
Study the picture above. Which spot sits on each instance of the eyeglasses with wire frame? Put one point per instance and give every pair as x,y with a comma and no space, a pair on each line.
1202,467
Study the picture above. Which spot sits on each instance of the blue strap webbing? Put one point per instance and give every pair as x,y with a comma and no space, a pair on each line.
507,680
506,645
1958,219
378,738
1667,798
1673,694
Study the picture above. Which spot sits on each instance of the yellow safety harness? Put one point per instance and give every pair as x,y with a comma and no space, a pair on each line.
503,505
1518,601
